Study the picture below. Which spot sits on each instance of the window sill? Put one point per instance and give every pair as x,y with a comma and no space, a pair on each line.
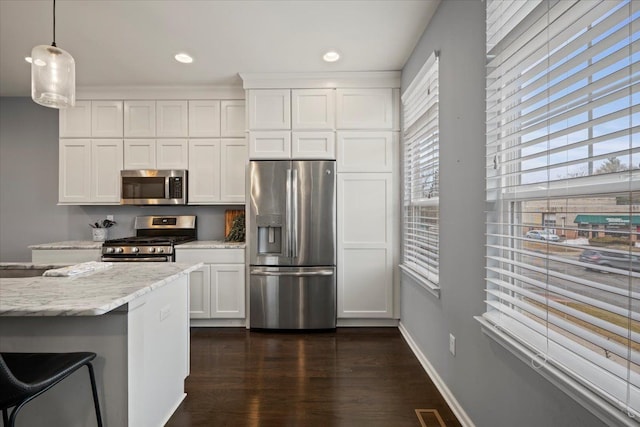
599,407
423,282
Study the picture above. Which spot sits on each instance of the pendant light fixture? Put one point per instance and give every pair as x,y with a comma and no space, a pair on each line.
53,74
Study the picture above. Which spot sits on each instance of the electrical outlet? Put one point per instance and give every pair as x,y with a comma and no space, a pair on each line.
452,344
110,217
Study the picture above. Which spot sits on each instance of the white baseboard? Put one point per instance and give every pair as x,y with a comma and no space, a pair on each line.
440,385
366,323
218,323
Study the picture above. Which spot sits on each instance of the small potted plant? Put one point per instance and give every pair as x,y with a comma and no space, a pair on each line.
99,229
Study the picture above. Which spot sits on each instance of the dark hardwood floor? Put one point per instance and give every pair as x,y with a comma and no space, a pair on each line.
350,377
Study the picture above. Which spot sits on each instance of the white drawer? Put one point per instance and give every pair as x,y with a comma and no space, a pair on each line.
211,256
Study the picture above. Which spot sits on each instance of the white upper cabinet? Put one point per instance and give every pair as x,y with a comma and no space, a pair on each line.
365,151
217,170
74,170
204,170
139,119
101,119
313,109
269,109
232,119
171,118
106,119
139,154
75,122
89,171
364,109
270,145
172,154
204,118
313,145
233,158
106,163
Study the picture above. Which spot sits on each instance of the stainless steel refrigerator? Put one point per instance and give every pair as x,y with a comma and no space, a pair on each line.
292,241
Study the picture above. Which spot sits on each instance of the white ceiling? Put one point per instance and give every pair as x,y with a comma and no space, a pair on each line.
132,42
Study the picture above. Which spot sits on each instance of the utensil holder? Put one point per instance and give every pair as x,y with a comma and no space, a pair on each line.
99,234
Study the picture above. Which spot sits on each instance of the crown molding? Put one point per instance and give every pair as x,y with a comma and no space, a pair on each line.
159,92
325,80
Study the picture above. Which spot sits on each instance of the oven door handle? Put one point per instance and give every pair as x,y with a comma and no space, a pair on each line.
142,259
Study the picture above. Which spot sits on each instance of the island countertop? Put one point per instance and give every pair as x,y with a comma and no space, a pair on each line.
89,294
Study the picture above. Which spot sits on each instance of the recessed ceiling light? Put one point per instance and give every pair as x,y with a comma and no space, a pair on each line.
331,56
28,59
184,58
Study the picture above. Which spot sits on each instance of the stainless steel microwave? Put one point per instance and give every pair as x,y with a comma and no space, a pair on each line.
153,187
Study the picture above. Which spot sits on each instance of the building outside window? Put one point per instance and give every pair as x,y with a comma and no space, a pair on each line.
563,157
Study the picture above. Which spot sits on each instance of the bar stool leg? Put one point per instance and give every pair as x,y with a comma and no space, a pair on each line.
94,390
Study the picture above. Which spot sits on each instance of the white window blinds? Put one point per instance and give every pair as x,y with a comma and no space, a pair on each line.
563,186
421,173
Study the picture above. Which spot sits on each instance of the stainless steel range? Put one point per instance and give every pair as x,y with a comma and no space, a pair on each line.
155,239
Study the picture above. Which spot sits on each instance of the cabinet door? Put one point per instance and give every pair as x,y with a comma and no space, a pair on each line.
313,145
75,121
364,109
365,151
204,118
365,248
172,154
233,158
139,119
74,171
232,119
106,164
171,119
139,154
270,145
269,109
106,119
199,293
227,291
204,170
313,109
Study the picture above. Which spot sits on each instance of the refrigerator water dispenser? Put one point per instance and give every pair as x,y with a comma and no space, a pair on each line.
269,233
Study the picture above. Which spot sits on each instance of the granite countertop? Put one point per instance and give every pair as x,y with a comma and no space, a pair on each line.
89,294
70,244
212,244
88,244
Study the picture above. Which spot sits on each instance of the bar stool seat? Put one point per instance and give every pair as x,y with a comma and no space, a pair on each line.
24,376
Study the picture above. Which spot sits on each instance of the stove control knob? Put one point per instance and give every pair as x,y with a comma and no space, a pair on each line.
152,250
119,250
135,250
109,250
160,250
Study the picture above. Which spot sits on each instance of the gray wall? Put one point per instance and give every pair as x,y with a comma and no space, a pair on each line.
29,213
494,387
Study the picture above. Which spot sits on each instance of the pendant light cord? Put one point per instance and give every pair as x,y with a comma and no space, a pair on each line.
54,24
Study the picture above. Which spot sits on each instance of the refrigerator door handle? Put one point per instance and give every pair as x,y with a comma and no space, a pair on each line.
287,234
260,272
294,216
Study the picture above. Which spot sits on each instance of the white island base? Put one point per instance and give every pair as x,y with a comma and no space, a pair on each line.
142,362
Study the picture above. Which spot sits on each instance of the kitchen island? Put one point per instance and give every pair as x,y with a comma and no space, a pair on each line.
135,316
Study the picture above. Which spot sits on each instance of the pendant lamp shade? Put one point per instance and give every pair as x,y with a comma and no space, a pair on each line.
53,77
53,74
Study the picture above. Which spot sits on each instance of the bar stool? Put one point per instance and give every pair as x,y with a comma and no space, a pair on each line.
24,376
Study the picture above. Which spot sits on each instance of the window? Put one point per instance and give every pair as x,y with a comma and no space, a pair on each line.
563,149
421,176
